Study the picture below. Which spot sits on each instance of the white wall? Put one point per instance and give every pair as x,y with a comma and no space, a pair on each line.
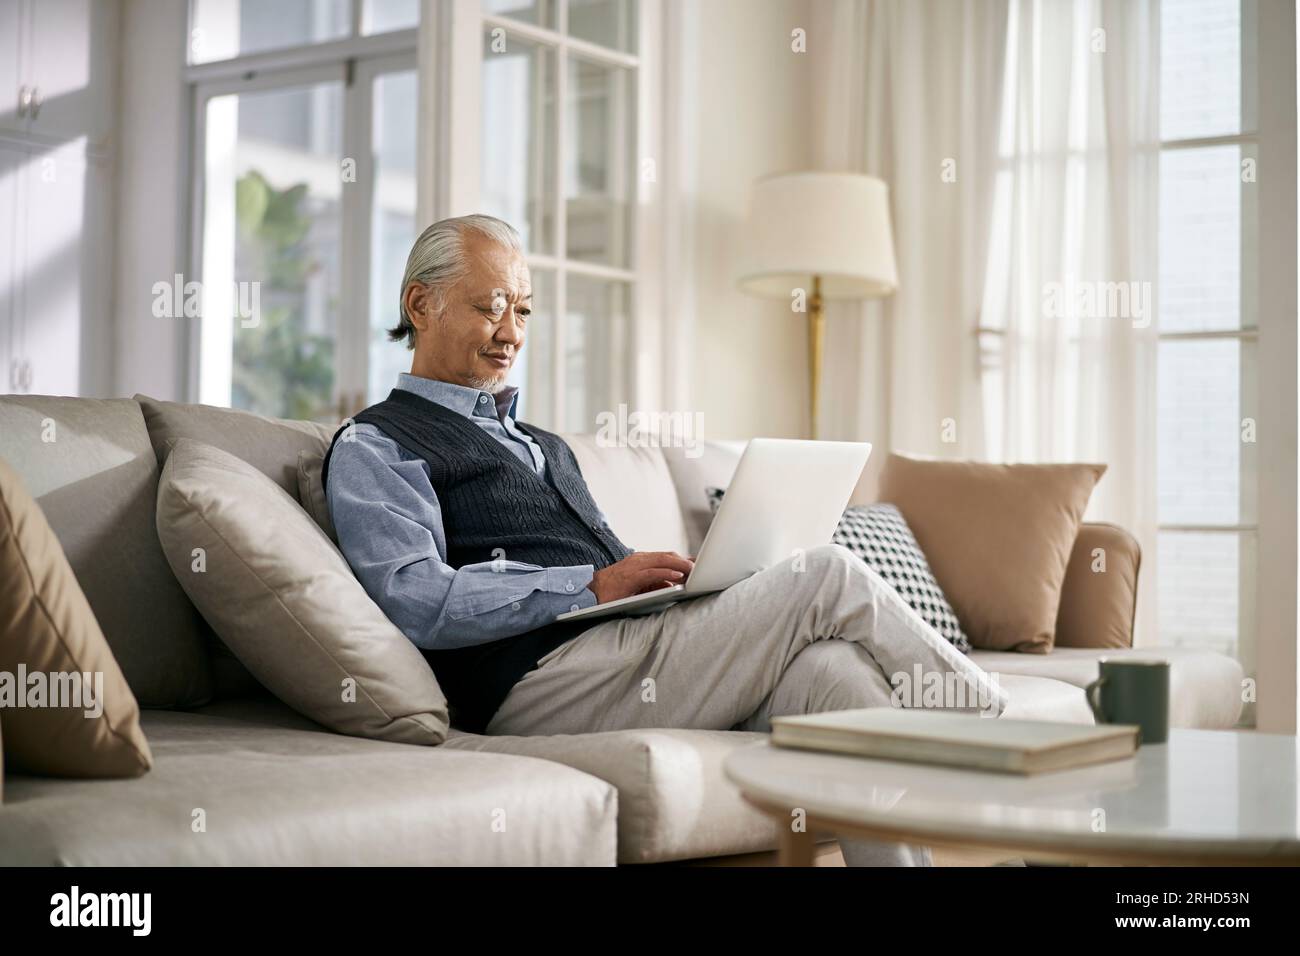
152,193
752,118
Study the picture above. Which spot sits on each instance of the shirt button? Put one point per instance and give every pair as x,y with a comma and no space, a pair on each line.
515,606
574,608
569,586
482,399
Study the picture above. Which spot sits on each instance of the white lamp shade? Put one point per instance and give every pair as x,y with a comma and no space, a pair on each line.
833,225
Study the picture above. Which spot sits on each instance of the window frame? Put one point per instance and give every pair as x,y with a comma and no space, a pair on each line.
452,58
559,264
1245,533
356,61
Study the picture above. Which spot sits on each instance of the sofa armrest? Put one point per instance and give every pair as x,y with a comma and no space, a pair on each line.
1097,606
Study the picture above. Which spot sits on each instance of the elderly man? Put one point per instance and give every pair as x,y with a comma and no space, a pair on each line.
473,531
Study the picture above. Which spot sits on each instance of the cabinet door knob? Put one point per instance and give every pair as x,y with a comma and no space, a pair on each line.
24,99
36,102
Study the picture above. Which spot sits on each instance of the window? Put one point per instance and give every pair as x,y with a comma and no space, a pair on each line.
305,201
1207,381
1176,400
557,148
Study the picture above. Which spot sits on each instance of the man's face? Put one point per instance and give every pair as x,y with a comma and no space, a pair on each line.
480,332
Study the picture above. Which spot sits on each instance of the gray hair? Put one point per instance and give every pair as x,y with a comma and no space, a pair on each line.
437,260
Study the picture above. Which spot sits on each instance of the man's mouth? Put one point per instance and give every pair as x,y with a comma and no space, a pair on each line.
500,361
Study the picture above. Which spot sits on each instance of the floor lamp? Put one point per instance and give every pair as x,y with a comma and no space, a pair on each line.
819,236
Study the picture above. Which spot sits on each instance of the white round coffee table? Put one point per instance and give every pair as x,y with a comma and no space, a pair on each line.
1206,798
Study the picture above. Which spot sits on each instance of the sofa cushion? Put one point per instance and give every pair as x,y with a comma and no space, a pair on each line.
998,537
47,628
634,489
1204,686
271,445
1041,698
284,600
90,467
270,788
673,801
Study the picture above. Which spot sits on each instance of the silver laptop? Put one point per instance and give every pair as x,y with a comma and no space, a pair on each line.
786,496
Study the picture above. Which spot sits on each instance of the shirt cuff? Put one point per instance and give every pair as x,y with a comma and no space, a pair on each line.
569,581
571,585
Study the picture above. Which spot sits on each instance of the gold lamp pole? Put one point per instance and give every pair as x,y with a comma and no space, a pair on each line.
816,331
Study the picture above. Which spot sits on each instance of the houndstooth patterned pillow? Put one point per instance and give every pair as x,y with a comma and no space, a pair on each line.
879,535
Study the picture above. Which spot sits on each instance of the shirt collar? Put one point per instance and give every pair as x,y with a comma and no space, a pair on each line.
461,398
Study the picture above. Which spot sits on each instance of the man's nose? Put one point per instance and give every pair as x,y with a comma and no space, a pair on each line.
509,329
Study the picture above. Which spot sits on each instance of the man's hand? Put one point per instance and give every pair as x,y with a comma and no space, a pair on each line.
639,572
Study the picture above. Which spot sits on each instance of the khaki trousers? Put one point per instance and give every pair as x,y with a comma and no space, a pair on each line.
820,631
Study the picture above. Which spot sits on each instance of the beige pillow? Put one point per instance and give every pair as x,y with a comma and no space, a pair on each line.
271,445
84,727
998,538
311,492
284,600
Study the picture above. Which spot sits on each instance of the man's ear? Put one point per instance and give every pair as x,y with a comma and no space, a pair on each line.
418,300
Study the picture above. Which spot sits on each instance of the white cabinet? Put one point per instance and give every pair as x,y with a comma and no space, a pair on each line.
12,159
53,281
73,46
57,70
11,30
55,176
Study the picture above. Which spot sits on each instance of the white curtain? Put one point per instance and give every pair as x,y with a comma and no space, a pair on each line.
1020,140
907,95
1070,288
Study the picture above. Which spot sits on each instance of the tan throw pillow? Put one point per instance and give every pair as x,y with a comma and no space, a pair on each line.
998,538
85,721
284,600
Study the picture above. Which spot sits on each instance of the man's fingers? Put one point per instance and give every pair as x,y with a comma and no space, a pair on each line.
651,579
665,559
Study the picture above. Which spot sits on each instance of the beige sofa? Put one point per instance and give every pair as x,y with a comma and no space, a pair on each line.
276,788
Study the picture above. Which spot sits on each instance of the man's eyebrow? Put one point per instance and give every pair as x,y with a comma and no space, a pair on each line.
490,294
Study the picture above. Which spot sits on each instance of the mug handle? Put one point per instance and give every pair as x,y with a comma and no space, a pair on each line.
1091,692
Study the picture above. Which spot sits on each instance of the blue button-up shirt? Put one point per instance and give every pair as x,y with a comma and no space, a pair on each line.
389,526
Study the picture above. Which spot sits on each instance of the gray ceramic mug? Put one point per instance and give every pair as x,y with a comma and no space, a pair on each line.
1133,692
